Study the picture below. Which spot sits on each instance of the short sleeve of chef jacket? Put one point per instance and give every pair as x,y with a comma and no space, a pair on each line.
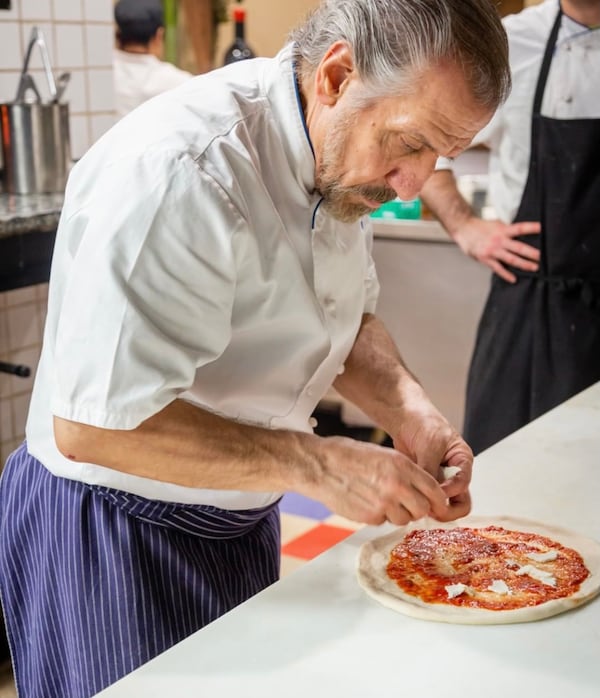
147,254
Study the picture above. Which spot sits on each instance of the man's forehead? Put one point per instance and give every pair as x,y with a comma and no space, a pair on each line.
430,133
432,121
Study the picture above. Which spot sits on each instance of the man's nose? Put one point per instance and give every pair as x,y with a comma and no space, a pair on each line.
408,180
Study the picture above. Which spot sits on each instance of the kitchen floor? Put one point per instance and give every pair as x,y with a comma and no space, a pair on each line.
307,529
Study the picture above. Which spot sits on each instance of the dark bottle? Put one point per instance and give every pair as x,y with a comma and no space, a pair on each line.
239,49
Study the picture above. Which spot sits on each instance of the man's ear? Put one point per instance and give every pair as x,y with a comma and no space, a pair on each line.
156,45
334,73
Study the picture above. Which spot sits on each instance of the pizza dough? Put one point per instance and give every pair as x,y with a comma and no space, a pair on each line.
374,557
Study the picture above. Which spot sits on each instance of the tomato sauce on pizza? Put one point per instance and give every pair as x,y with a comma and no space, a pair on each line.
490,568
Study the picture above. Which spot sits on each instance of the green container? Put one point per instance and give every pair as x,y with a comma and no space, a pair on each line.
397,210
170,16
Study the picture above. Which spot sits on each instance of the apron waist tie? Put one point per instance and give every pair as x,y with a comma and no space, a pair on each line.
588,289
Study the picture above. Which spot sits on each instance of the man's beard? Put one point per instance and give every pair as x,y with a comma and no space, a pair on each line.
338,200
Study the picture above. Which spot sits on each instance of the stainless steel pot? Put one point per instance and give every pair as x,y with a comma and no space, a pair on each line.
35,147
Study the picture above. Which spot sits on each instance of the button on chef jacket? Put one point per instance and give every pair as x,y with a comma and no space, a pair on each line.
193,260
571,92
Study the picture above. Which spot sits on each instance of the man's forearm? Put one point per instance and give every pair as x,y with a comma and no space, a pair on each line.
188,446
376,378
441,196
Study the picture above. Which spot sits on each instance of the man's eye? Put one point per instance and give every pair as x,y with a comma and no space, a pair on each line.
412,147
398,146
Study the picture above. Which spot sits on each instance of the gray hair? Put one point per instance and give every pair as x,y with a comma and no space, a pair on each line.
392,41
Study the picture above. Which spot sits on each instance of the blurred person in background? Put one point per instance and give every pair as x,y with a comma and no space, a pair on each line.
538,341
212,277
139,71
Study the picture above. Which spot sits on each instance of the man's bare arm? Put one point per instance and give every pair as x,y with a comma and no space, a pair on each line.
377,380
185,445
491,242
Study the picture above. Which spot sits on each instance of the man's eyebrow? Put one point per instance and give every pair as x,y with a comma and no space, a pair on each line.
416,136
421,138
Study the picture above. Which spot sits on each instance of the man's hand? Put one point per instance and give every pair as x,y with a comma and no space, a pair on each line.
490,242
493,243
429,440
372,484
377,380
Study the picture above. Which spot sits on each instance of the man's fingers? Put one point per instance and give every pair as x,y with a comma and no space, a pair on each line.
416,504
458,507
455,479
524,228
524,250
515,254
399,515
502,272
439,506
415,497
516,261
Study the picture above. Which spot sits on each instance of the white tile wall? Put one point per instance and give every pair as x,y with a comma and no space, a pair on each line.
100,89
35,9
81,130
100,123
68,10
69,45
95,11
9,79
79,35
99,39
11,14
10,40
77,91
21,328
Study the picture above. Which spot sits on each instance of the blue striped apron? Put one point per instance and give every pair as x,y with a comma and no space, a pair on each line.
95,582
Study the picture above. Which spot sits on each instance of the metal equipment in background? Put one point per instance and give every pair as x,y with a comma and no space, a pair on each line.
35,133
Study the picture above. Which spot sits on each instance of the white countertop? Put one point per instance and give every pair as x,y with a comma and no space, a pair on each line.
317,633
406,229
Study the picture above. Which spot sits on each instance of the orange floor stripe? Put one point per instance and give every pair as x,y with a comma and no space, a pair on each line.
315,541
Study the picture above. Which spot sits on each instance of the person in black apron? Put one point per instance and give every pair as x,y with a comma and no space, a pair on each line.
538,341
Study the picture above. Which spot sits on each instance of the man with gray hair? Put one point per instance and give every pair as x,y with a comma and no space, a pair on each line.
211,279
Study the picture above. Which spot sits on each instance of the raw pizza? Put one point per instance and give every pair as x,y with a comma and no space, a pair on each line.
481,571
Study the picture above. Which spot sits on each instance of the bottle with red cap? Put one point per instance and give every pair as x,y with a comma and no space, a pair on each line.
239,49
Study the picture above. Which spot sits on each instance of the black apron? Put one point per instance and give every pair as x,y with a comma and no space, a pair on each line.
538,341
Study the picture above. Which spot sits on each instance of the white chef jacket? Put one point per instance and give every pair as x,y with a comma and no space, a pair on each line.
571,92
139,76
193,260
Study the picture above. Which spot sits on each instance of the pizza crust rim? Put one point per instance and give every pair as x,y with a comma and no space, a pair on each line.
374,554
